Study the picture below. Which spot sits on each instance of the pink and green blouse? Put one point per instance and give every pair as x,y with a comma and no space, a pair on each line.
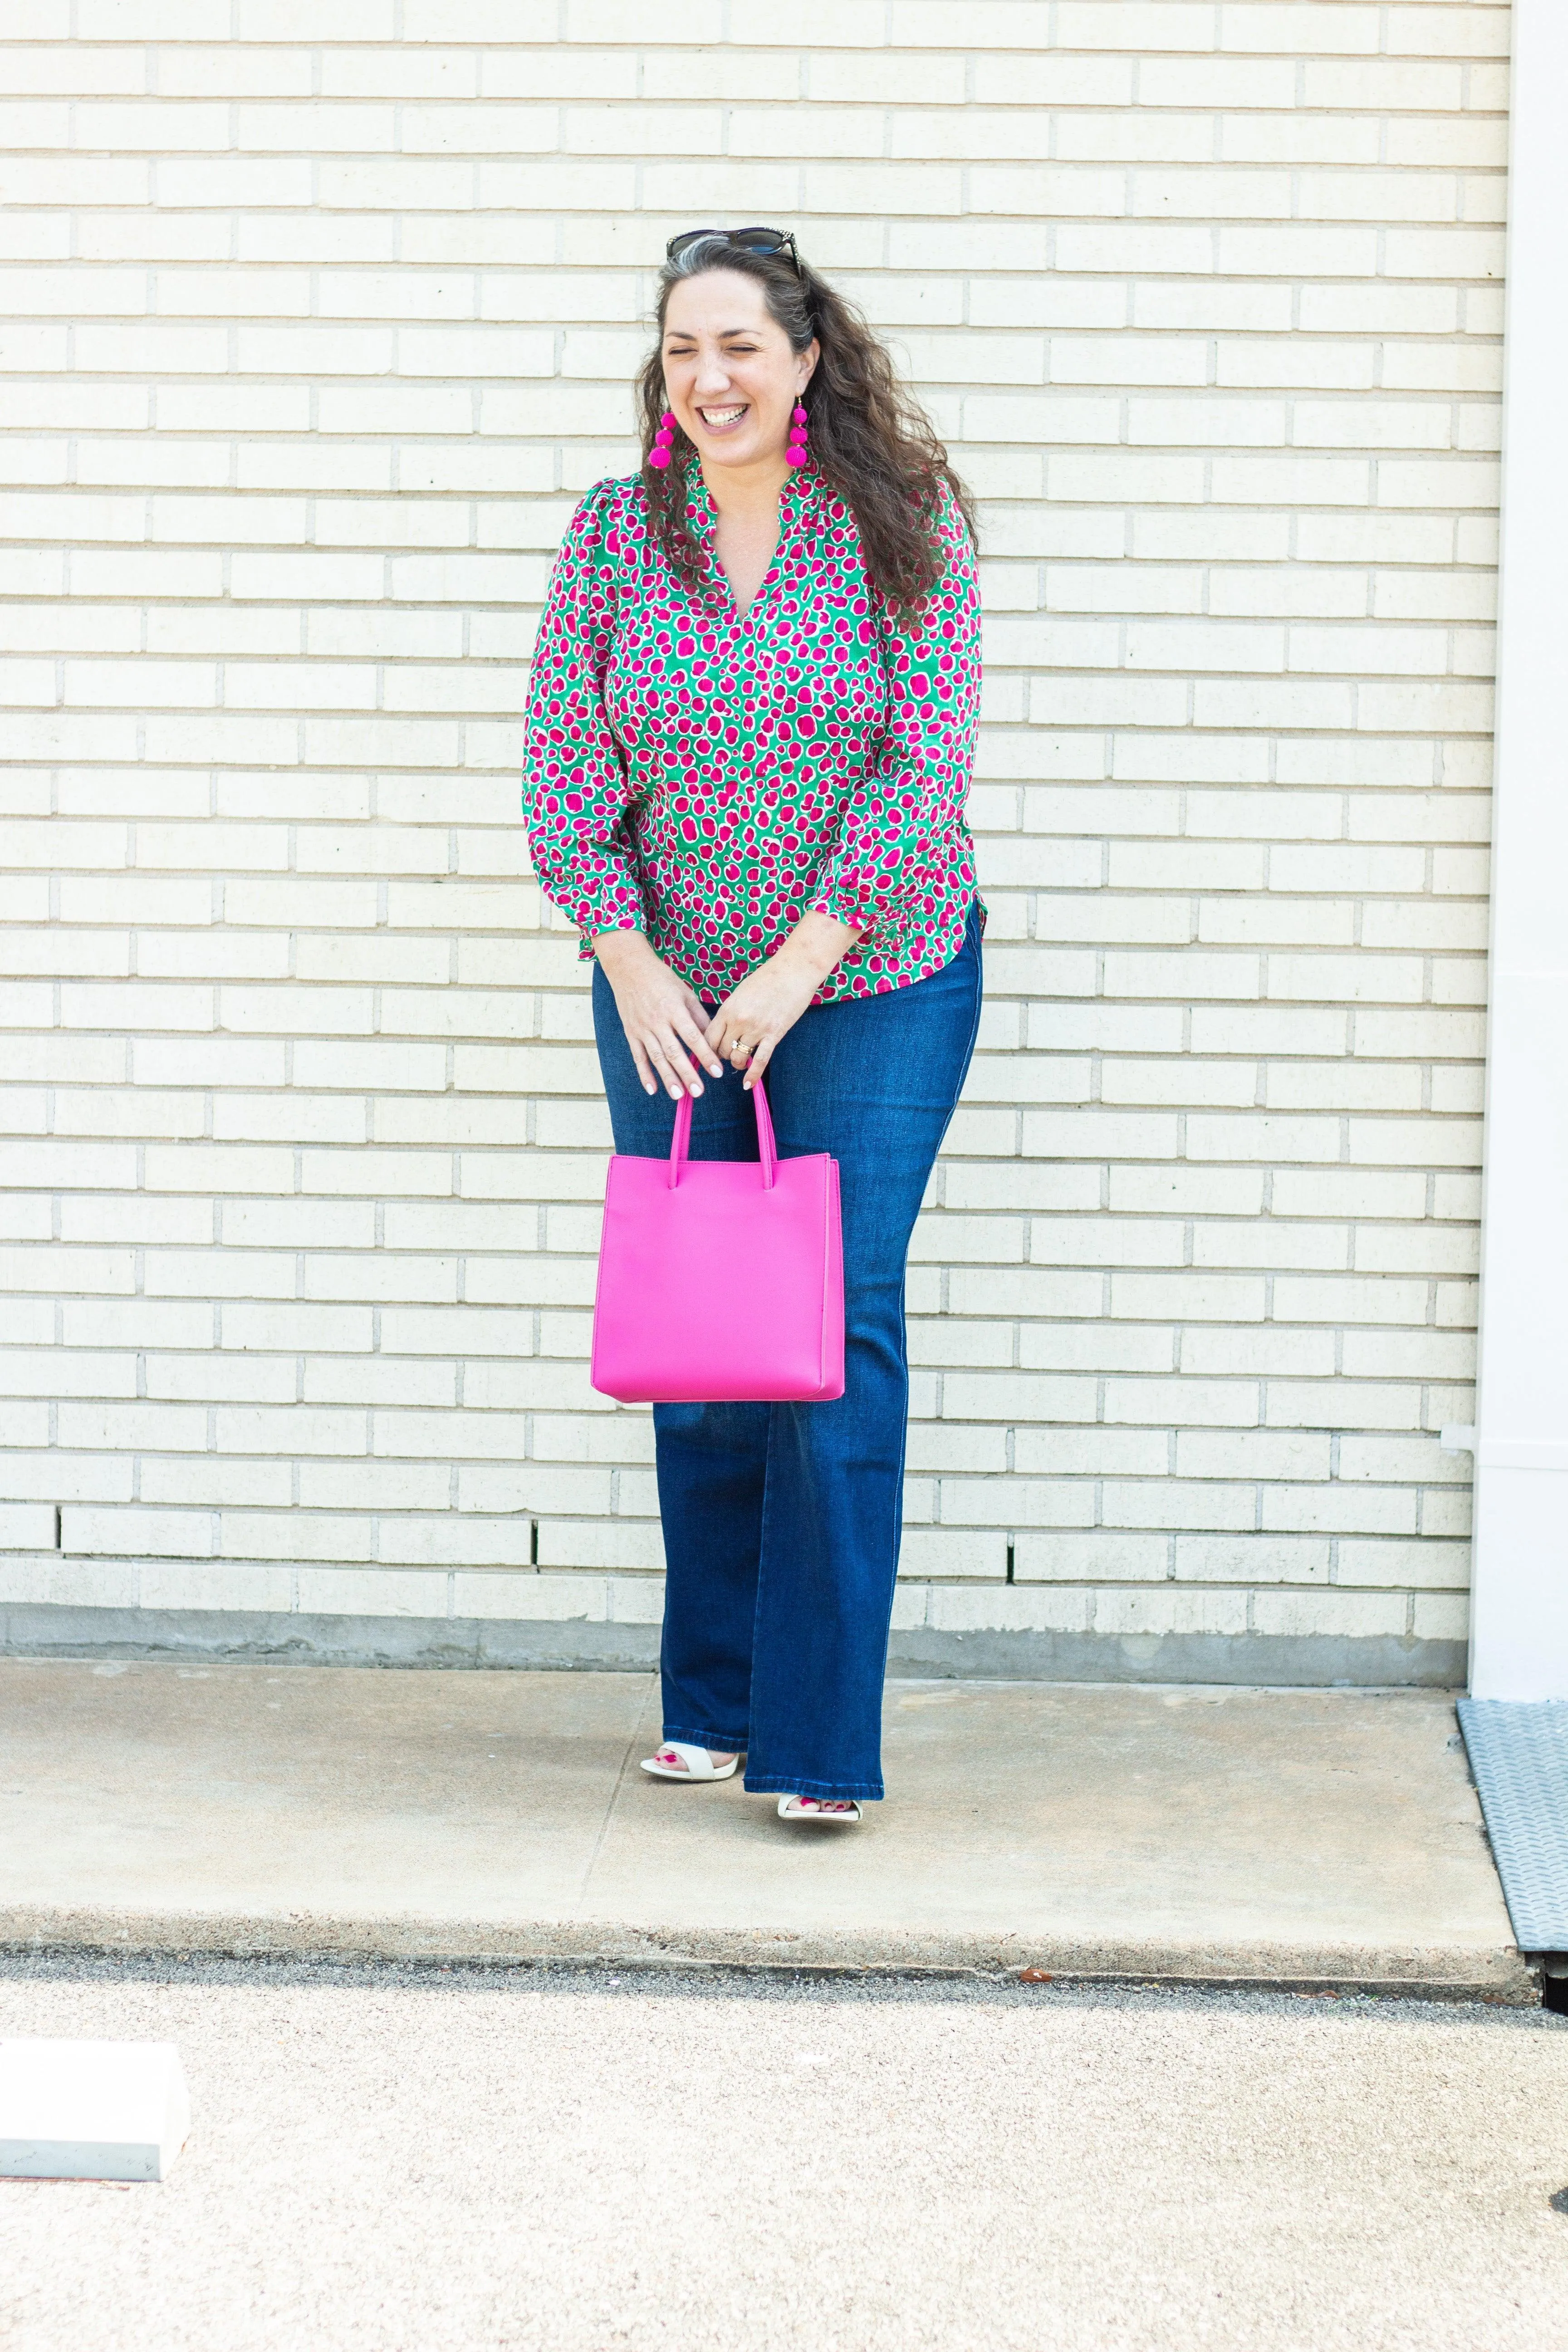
709,776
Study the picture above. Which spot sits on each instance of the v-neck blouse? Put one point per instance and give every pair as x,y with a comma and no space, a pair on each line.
710,776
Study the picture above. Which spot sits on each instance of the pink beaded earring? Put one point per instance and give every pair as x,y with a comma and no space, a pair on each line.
664,439
796,454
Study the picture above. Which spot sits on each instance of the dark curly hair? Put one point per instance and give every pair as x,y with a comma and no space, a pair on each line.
870,442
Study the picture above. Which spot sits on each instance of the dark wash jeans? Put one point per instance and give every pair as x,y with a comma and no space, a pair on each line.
782,1521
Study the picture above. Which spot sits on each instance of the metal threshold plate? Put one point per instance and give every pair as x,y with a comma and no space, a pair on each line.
1519,1754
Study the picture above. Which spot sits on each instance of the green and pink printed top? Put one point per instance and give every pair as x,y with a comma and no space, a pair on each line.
709,776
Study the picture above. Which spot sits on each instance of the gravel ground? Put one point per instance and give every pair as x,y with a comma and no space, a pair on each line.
461,2159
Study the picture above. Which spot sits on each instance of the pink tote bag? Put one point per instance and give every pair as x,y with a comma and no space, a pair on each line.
720,1281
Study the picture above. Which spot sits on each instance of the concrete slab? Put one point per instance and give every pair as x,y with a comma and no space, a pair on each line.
1086,1829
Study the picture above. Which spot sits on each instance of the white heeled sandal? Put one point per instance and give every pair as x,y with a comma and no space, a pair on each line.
814,1809
695,1764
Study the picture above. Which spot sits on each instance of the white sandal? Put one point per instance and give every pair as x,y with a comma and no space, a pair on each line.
813,1809
696,1764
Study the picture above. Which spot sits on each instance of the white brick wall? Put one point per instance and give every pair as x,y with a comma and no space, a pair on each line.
315,344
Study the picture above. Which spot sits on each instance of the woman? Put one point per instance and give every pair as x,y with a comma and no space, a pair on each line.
750,728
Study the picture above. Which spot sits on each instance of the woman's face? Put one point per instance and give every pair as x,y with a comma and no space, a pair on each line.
728,372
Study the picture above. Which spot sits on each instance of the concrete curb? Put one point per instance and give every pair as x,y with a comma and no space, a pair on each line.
1501,1977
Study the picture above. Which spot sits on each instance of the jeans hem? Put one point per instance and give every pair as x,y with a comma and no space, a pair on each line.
720,1743
777,1784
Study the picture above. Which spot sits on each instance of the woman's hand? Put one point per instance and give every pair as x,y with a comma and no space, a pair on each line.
662,1018
770,1000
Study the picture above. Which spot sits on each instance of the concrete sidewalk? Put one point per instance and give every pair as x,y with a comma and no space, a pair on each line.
1088,1830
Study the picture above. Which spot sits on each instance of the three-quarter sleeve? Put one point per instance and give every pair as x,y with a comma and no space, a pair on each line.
898,819
575,789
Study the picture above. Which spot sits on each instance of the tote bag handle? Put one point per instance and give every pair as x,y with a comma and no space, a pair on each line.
765,1152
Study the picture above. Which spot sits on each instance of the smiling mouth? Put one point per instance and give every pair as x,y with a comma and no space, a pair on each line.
724,420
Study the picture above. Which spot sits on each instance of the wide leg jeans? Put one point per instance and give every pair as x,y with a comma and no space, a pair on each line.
782,1522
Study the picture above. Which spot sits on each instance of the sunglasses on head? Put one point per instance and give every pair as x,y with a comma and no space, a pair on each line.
750,240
